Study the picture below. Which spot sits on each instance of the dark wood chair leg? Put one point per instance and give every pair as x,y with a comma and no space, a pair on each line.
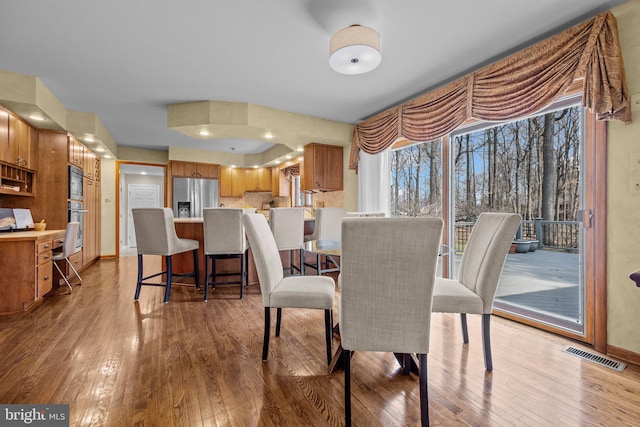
328,325
347,387
465,330
278,320
424,391
267,327
196,269
206,278
486,342
139,284
246,271
169,279
243,273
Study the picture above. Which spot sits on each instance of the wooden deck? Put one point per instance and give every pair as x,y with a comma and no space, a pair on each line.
190,363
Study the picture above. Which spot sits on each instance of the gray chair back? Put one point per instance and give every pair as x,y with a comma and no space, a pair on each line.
485,254
70,237
223,231
287,225
388,271
265,254
328,222
155,231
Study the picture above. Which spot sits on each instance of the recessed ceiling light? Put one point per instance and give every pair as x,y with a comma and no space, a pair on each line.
277,162
233,166
300,149
143,173
89,138
107,156
204,132
100,150
255,166
36,117
268,135
288,157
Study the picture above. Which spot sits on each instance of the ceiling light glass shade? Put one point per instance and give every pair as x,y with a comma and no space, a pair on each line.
355,50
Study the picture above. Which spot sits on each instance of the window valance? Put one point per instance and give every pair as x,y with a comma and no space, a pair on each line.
291,171
513,87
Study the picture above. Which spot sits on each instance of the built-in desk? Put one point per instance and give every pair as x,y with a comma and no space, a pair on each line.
26,269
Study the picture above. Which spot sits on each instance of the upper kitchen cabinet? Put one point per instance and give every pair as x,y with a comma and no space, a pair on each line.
194,170
322,168
258,179
90,165
76,152
232,182
17,141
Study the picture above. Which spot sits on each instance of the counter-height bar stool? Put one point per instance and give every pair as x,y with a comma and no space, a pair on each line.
327,227
68,249
224,238
287,226
156,235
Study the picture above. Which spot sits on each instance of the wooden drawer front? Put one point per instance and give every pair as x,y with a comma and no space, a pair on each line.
45,278
45,246
57,243
76,261
44,258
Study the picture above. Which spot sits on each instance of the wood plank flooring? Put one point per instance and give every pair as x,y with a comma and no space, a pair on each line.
190,363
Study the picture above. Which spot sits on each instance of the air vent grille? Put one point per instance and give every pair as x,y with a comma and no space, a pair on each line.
596,358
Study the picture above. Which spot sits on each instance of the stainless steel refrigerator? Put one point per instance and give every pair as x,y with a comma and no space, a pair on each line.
191,195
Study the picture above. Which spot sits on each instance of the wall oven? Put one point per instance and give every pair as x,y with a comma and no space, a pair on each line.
75,183
76,214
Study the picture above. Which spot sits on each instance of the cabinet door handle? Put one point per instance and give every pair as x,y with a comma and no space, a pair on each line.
46,246
46,257
46,277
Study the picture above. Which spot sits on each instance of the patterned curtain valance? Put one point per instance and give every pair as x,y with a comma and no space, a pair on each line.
513,87
291,171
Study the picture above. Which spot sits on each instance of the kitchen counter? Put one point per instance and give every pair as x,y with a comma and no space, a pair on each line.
18,236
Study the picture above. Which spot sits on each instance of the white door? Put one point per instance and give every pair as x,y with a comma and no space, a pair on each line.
140,196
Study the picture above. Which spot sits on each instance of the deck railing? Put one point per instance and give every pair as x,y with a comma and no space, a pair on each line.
557,235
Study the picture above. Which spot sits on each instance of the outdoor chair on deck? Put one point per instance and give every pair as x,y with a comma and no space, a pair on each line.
480,269
387,278
156,235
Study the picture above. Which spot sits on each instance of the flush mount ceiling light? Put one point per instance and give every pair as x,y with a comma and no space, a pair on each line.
355,50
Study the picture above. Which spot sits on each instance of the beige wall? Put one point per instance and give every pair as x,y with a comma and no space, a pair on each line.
623,205
108,214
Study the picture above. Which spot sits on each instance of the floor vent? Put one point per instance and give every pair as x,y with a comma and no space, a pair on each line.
600,360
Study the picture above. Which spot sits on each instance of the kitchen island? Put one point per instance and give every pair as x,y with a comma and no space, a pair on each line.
26,268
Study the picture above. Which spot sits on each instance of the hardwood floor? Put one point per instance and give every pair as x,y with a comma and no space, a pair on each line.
190,363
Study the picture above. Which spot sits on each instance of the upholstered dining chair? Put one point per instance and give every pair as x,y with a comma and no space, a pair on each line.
287,226
68,249
387,277
313,292
224,238
156,235
479,274
327,227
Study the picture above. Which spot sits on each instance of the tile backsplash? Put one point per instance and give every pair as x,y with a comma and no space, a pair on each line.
254,200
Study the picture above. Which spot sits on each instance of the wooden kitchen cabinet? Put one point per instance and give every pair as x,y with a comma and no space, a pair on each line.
76,152
91,229
17,142
257,179
91,164
322,168
280,187
232,182
194,170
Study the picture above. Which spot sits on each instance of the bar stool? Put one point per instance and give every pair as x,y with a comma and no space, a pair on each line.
224,238
156,235
287,226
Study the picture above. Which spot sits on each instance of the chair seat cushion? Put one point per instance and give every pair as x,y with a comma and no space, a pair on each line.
304,292
451,296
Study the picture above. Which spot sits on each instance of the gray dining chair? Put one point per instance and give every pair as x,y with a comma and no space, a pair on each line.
387,278
474,290
156,235
327,227
313,292
68,249
224,238
287,226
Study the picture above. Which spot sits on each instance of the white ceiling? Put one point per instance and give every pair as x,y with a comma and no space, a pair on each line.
126,60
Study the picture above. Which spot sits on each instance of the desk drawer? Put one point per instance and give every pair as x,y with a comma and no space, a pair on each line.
45,278
44,257
45,246
76,261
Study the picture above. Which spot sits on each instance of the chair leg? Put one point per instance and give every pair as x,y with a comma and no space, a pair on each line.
243,272
465,330
139,284
424,391
267,327
346,357
486,342
278,320
328,326
169,278
63,276
196,269
206,278
74,270
246,270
